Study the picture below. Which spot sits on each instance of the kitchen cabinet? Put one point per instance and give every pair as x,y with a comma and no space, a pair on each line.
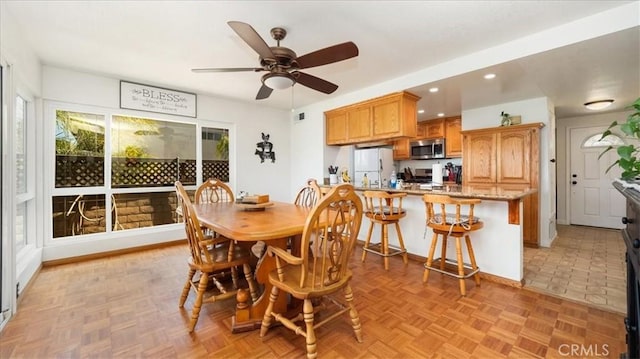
359,127
433,128
453,138
383,118
402,149
506,155
336,122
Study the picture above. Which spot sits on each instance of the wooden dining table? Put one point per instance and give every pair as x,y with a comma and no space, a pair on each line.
274,225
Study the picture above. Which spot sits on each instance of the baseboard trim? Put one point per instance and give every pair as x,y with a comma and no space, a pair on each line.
116,252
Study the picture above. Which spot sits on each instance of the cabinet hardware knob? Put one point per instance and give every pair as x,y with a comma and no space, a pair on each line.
574,182
553,160
636,243
626,220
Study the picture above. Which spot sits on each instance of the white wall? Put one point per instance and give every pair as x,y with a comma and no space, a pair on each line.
564,161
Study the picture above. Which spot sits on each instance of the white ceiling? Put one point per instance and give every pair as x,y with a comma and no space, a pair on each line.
158,42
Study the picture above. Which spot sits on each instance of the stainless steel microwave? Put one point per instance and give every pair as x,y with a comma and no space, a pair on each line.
427,149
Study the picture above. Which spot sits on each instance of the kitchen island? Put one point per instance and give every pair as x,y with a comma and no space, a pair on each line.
498,246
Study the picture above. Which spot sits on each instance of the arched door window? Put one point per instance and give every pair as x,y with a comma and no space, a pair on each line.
597,141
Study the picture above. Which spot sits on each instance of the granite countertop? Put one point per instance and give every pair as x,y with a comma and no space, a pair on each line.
502,192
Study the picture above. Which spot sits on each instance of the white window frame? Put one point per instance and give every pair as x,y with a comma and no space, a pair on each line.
49,115
29,196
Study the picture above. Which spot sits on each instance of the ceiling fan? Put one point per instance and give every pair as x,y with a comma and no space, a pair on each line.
283,64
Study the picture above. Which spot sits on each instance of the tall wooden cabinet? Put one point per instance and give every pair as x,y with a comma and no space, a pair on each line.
453,138
383,118
506,155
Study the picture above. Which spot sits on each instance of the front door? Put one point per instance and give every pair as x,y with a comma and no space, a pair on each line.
594,200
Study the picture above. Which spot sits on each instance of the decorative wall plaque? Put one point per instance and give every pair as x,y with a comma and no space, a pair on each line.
136,96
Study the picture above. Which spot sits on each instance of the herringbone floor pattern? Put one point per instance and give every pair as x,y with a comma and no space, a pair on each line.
126,306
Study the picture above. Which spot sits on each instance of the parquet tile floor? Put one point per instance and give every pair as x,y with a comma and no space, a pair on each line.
126,306
585,264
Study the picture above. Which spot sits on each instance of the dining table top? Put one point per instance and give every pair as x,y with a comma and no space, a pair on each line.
232,220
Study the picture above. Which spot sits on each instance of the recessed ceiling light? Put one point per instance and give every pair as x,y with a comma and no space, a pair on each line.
490,76
440,114
598,105
420,111
433,89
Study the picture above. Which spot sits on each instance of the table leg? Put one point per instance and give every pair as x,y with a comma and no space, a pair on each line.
249,316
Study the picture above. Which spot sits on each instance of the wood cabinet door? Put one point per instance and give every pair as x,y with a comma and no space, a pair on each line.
435,128
386,119
514,157
479,153
402,149
421,130
453,138
359,124
336,127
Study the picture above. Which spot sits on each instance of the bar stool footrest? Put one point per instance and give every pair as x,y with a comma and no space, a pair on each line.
466,266
376,248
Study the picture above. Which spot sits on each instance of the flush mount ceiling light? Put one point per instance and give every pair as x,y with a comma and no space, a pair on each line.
490,76
421,111
598,105
433,89
278,81
440,114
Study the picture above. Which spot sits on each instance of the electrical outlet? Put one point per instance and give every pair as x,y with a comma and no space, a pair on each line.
301,116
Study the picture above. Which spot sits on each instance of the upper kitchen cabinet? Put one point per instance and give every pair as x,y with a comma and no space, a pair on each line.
453,138
383,118
508,155
359,126
336,122
433,128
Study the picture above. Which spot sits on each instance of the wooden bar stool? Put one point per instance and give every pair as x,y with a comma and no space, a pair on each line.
456,224
384,208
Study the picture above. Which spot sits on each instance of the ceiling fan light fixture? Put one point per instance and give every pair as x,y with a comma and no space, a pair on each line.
278,81
598,105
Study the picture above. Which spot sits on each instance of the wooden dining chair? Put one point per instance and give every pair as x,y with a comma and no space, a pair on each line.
307,196
210,256
332,227
213,190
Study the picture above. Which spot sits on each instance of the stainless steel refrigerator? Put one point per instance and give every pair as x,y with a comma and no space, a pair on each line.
376,163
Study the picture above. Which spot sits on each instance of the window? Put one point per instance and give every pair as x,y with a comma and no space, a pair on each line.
22,196
151,153
79,149
20,145
595,141
215,154
116,172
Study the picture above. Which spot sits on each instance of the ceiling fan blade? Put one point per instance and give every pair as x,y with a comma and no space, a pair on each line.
264,92
231,69
313,82
251,37
328,55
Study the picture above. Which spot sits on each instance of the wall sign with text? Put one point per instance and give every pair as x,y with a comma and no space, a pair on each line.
157,99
